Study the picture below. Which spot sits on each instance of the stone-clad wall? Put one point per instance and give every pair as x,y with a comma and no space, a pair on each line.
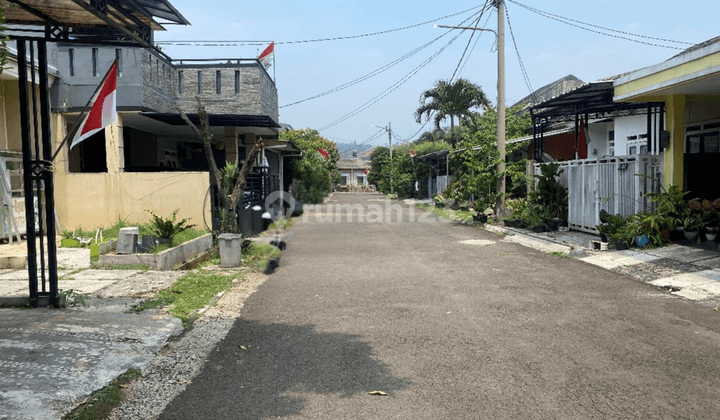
257,93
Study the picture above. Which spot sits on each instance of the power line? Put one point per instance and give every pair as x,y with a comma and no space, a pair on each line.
337,38
568,20
391,88
371,74
517,51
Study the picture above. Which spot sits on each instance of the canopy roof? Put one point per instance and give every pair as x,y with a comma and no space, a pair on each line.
81,20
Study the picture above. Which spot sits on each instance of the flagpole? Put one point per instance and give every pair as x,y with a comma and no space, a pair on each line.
74,130
274,78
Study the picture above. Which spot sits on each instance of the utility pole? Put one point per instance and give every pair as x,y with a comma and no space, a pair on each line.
500,41
389,130
500,204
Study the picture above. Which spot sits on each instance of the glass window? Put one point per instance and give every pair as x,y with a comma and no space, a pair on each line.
95,62
181,82
693,145
218,82
711,143
71,58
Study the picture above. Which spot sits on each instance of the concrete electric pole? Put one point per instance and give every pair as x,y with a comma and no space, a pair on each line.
500,41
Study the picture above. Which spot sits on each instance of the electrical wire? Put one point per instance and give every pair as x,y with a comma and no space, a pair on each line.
568,20
517,51
372,73
337,38
392,88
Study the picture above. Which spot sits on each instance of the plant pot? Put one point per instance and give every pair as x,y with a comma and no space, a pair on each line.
480,217
603,237
642,241
690,235
539,229
710,236
620,245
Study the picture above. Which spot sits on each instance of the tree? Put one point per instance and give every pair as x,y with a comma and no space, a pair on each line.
450,100
230,182
3,39
313,173
476,164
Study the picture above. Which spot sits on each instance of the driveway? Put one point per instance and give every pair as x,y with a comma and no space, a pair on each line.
451,322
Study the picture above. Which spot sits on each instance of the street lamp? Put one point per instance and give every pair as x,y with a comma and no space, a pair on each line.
500,40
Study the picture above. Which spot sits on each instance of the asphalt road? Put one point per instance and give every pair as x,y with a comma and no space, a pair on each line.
453,323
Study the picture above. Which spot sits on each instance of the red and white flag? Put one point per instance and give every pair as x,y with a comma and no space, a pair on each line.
324,153
103,111
266,57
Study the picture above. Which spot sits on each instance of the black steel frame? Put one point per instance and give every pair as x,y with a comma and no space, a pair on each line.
37,172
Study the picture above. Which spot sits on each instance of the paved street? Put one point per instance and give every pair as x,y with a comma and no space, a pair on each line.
452,322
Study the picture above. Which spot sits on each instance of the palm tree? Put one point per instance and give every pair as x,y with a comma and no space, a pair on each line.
450,100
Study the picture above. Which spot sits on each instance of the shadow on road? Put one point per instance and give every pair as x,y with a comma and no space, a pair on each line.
252,372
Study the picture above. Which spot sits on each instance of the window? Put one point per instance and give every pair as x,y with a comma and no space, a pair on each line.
181,82
200,82
611,143
237,81
95,62
118,57
218,83
71,60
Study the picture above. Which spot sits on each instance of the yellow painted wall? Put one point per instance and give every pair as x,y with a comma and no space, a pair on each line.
674,155
665,76
100,199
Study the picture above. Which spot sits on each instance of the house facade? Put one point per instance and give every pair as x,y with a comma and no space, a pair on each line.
688,85
150,159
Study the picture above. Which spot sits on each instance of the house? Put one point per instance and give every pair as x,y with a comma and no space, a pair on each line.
688,86
149,158
353,173
602,145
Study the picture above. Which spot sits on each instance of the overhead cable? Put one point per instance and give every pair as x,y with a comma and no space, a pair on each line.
337,38
568,21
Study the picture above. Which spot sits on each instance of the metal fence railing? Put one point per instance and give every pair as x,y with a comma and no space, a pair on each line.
615,184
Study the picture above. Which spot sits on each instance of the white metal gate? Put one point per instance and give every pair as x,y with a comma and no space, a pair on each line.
611,184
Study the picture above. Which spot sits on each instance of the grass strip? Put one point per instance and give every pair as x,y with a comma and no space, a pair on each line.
456,215
102,402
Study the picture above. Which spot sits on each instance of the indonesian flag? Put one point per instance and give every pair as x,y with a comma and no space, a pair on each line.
103,111
366,171
266,57
412,154
323,152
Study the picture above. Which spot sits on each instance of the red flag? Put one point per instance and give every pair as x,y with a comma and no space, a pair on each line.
266,57
366,171
412,153
103,111
323,152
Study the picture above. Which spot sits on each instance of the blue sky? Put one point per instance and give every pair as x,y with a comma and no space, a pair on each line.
549,49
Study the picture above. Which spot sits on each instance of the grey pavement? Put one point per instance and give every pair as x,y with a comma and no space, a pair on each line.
456,322
452,321
52,359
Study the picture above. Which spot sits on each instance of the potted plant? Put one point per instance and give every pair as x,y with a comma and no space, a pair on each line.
609,225
692,225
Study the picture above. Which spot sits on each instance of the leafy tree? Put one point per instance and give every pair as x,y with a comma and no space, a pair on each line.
450,100
313,173
404,170
3,39
476,163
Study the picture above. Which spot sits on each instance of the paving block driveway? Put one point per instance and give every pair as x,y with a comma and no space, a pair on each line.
452,322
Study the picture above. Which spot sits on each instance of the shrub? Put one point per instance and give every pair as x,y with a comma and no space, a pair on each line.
167,228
